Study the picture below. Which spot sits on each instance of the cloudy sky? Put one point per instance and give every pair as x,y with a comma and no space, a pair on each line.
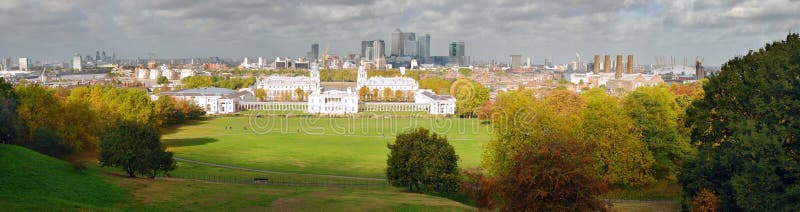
718,30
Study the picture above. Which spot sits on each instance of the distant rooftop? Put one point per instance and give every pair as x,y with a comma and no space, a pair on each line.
207,91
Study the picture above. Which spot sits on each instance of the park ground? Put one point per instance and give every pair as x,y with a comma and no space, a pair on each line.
314,164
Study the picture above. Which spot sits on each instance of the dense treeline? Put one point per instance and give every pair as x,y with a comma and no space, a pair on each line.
580,145
746,129
62,121
234,83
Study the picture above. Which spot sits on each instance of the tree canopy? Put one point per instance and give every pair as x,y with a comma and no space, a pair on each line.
422,160
746,129
136,148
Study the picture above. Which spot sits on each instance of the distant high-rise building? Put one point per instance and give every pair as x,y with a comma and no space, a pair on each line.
411,48
104,56
260,62
399,40
314,52
77,64
424,49
378,49
457,49
97,55
516,61
7,63
24,62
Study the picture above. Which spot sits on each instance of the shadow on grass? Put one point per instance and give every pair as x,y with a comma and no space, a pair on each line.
176,127
188,142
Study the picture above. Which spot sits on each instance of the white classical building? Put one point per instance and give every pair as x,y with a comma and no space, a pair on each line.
276,86
439,104
333,102
401,83
213,100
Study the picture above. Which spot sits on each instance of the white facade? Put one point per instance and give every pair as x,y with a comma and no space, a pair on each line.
275,86
77,63
395,83
439,104
333,102
155,74
212,100
186,73
142,73
24,62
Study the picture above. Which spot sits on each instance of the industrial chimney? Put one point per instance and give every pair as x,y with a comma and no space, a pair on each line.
596,66
618,67
630,64
607,64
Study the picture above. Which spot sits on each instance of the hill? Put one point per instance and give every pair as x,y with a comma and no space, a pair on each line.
32,181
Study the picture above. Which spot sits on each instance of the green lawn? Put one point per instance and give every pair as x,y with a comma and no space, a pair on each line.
30,181
336,146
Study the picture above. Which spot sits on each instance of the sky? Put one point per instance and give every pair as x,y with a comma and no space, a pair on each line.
492,30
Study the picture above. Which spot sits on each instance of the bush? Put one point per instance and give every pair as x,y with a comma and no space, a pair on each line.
422,160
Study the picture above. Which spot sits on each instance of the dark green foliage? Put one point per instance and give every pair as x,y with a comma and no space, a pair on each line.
161,80
136,148
423,160
46,141
746,129
8,113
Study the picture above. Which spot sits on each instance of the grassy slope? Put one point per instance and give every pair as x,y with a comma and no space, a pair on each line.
339,146
34,181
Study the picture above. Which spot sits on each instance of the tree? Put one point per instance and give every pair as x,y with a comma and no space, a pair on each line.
422,160
196,82
438,85
705,201
745,130
136,148
162,80
387,95
299,94
375,94
656,114
399,96
363,93
47,141
556,175
480,188
261,95
620,156
9,119
470,95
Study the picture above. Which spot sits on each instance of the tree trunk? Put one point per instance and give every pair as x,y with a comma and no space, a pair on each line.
130,173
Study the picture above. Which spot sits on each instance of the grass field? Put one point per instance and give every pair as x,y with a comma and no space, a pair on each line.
34,182
335,146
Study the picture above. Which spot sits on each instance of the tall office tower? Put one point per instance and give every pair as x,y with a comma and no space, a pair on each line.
104,56
399,45
260,62
77,64
516,61
607,64
397,42
364,45
618,67
97,55
411,48
596,65
629,68
24,62
7,63
378,49
457,49
314,52
424,49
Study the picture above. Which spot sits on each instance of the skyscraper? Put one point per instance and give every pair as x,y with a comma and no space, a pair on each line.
77,64
399,45
516,61
97,55
7,63
378,49
424,49
23,63
457,49
314,52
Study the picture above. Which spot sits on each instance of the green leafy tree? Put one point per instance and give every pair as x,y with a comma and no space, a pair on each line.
136,148
657,115
619,154
438,85
47,141
196,82
470,95
422,160
745,129
9,119
161,80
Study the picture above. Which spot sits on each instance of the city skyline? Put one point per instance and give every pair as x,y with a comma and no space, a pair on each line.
492,30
